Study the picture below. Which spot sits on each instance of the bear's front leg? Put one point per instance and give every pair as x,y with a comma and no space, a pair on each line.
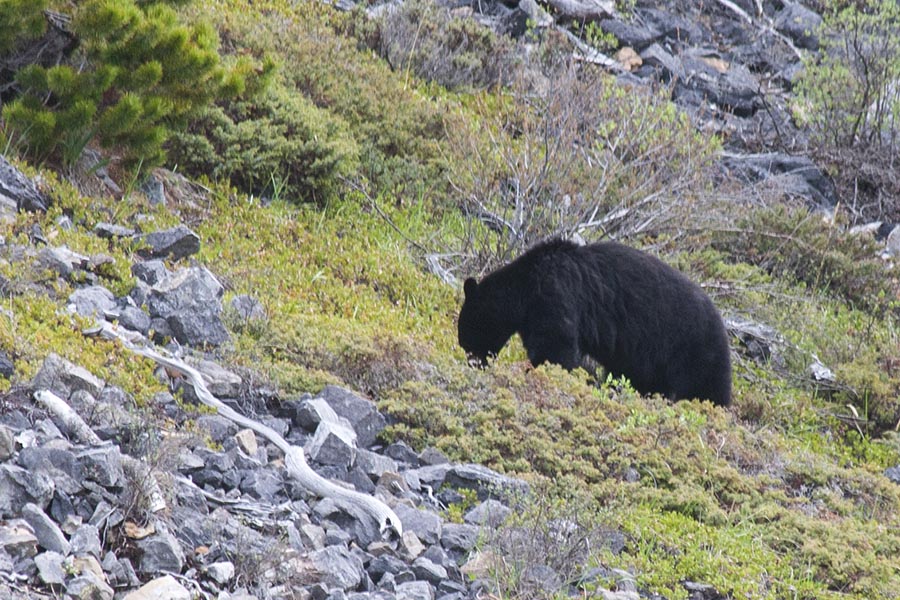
553,342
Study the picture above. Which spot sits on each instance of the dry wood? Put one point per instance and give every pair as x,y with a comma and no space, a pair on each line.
584,10
294,458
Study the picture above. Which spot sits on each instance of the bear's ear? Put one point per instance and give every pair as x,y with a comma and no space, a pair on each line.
469,287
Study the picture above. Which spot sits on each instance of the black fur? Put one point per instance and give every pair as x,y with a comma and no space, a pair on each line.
629,311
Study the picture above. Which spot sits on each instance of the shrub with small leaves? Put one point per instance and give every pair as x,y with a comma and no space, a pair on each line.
279,143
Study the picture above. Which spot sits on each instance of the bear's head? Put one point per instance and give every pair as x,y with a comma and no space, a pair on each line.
479,328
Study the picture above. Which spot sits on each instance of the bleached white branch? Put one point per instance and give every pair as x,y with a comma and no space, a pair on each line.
294,458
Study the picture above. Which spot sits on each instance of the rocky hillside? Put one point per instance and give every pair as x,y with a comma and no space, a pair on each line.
228,359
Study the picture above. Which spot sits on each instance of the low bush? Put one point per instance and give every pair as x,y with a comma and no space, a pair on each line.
849,98
276,144
587,156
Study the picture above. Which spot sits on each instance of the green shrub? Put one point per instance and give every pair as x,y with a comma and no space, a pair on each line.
21,19
278,143
849,98
398,127
145,72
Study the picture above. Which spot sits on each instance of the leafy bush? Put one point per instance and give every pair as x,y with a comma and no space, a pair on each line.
278,143
146,72
850,98
588,156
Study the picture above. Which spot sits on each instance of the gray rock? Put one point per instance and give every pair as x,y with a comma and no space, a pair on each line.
402,453
385,564
139,293
373,464
103,464
17,540
18,192
59,465
702,591
62,260
134,319
338,567
677,29
892,242
362,414
152,187
348,520
311,536
893,473
122,572
162,588
109,231
150,272
542,579
220,572
415,590
93,301
410,547
48,534
448,586
809,181
332,444
50,567
190,302
89,586
7,367
637,35
484,481
7,443
218,427
800,24
735,90
246,441
310,412
262,484
658,60
248,308
160,552
432,456
426,570
19,487
62,378
220,381
426,525
86,540
175,243
490,513
459,537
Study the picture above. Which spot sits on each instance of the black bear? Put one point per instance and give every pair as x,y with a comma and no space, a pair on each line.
629,311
